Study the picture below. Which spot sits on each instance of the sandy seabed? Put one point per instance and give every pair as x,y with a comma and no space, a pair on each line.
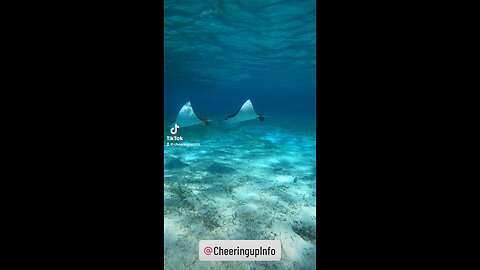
249,181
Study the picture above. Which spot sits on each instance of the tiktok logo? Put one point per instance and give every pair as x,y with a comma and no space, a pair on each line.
174,129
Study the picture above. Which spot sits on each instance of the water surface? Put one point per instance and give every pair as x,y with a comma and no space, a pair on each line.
250,180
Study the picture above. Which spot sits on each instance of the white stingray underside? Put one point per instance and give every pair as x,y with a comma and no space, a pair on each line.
245,113
187,117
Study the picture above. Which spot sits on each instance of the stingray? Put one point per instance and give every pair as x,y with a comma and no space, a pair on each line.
245,113
187,117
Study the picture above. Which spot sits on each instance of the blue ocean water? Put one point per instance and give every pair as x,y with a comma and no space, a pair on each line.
253,179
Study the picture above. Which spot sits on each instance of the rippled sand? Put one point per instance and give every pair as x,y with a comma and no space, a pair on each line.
253,180
246,181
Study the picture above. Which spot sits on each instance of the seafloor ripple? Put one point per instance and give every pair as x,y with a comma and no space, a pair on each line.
244,184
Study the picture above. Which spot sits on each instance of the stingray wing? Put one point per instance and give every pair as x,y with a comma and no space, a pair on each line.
246,112
187,117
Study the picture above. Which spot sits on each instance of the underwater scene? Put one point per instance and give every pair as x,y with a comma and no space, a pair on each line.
239,129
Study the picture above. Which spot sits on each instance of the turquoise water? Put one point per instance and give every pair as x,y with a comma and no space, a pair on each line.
247,180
